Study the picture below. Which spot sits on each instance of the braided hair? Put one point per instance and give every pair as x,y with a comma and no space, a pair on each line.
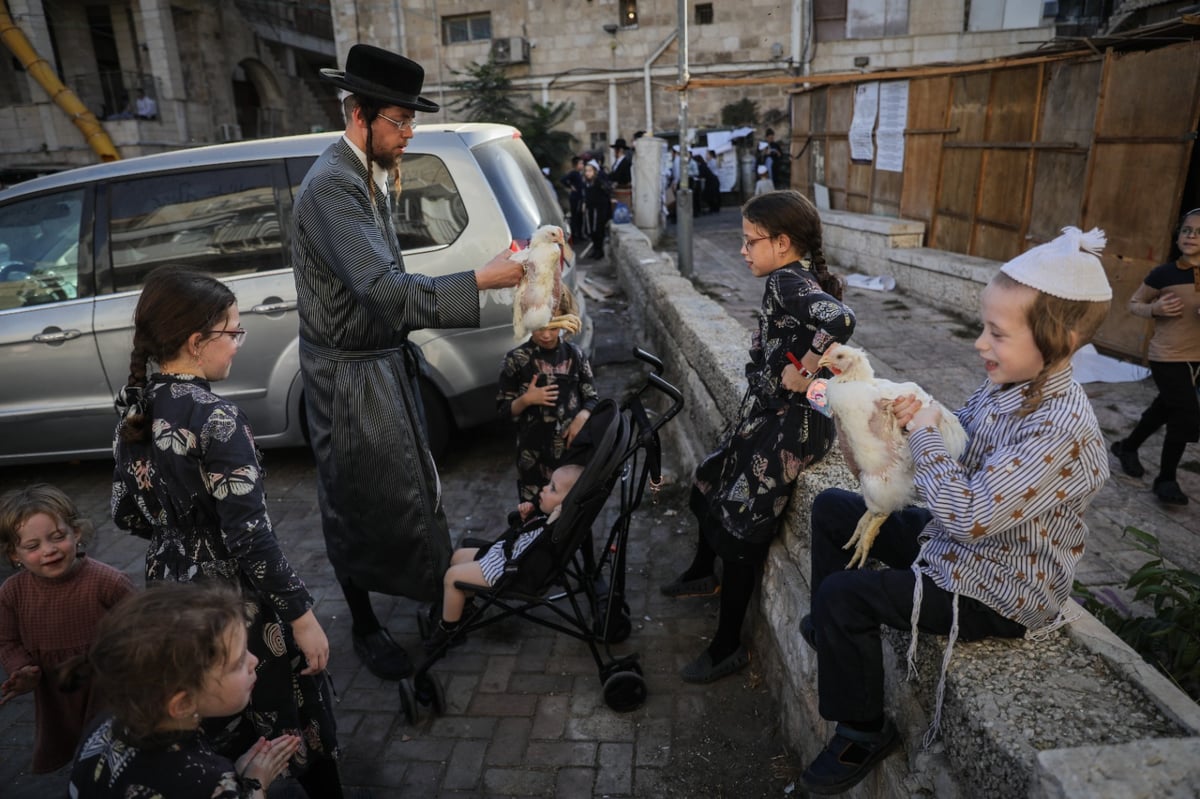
790,212
175,303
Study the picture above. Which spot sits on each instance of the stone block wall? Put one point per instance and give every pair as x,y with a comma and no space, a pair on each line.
1021,718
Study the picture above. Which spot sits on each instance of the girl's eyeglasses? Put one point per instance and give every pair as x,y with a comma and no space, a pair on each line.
749,242
238,335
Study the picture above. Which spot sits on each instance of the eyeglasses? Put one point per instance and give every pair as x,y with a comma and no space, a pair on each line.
401,125
747,242
238,335
1189,231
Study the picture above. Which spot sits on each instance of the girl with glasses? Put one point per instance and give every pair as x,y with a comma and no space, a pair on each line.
741,490
1170,295
188,478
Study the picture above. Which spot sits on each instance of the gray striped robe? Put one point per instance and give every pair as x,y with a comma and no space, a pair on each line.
377,484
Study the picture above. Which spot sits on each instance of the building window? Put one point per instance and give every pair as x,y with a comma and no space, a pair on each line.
629,14
466,28
704,13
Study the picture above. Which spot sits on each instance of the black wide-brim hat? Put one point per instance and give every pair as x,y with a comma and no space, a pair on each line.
383,76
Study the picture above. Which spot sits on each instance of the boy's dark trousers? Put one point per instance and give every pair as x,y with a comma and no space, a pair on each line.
848,607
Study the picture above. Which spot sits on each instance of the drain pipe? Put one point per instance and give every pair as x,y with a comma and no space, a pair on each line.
37,67
646,79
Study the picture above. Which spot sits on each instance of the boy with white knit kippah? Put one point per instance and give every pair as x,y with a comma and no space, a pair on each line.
993,552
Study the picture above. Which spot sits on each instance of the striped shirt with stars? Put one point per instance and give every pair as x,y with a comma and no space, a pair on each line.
1007,525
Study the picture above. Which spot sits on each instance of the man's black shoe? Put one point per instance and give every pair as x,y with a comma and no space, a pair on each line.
382,656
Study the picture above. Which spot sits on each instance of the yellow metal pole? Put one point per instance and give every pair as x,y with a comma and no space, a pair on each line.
16,41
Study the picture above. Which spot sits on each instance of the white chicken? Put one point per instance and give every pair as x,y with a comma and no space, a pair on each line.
537,295
861,406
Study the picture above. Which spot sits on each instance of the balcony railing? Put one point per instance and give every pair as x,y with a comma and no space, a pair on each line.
118,95
310,18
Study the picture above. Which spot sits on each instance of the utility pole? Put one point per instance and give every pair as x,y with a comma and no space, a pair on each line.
683,197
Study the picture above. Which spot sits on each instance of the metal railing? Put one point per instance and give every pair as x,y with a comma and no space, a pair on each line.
115,94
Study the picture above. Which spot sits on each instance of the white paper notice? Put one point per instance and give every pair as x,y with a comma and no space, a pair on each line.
893,117
866,105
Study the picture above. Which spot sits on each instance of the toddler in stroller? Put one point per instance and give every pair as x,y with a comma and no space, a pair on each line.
487,564
559,580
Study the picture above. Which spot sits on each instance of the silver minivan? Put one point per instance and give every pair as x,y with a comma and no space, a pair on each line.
76,246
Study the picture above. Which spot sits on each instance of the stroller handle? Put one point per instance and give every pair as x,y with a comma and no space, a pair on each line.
654,361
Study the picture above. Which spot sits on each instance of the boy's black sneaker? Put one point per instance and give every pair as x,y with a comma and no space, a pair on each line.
1128,458
1168,491
849,757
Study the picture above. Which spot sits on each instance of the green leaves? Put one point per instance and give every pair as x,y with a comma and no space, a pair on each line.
488,96
1170,639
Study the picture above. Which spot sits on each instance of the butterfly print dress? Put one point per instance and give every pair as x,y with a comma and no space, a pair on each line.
195,489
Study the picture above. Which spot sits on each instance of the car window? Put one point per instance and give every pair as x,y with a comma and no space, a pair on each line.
39,249
429,212
223,222
519,185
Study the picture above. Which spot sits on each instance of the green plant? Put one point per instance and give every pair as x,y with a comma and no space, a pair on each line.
1170,639
486,94
550,147
742,113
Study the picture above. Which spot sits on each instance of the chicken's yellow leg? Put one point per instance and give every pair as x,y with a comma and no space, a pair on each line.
864,536
568,322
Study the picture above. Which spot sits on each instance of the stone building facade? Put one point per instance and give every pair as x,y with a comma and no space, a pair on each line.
618,60
215,71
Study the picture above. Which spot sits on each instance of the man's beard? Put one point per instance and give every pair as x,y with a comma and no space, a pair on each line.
386,161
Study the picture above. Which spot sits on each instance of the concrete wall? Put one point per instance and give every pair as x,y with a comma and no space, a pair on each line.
1020,718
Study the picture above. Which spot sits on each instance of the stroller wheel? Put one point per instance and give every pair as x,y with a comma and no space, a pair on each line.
619,627
408,701
625,691
430,692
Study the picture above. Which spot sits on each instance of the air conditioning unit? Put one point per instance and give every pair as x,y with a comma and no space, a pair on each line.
228,131
510,50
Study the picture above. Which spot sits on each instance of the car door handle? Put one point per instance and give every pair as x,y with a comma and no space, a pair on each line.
274,307
56,336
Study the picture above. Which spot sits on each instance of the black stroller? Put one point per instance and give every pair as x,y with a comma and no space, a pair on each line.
559,582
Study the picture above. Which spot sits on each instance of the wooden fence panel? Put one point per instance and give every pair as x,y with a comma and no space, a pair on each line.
928,101
1145,125
838,113
1068,117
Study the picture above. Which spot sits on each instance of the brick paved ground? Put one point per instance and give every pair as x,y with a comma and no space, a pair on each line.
526,715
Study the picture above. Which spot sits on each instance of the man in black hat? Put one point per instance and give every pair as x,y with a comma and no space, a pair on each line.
622,168
378,488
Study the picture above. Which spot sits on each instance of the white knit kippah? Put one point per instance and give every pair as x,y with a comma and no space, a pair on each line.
1067,267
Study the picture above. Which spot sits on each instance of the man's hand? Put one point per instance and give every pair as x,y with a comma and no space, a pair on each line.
499,273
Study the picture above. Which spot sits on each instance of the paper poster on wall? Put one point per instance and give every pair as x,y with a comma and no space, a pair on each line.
893,117
866,106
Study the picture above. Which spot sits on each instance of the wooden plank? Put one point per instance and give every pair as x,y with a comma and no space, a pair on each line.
1057,194
950,233
1148,91
1010,107
1133,190
1068,114
839,111
1002,189
1122,332
927,110
1134,194
997,243
885,193
960,175
801,155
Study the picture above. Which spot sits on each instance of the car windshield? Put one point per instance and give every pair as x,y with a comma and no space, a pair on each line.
519,185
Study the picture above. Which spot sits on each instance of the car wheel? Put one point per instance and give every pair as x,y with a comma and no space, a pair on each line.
438,424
